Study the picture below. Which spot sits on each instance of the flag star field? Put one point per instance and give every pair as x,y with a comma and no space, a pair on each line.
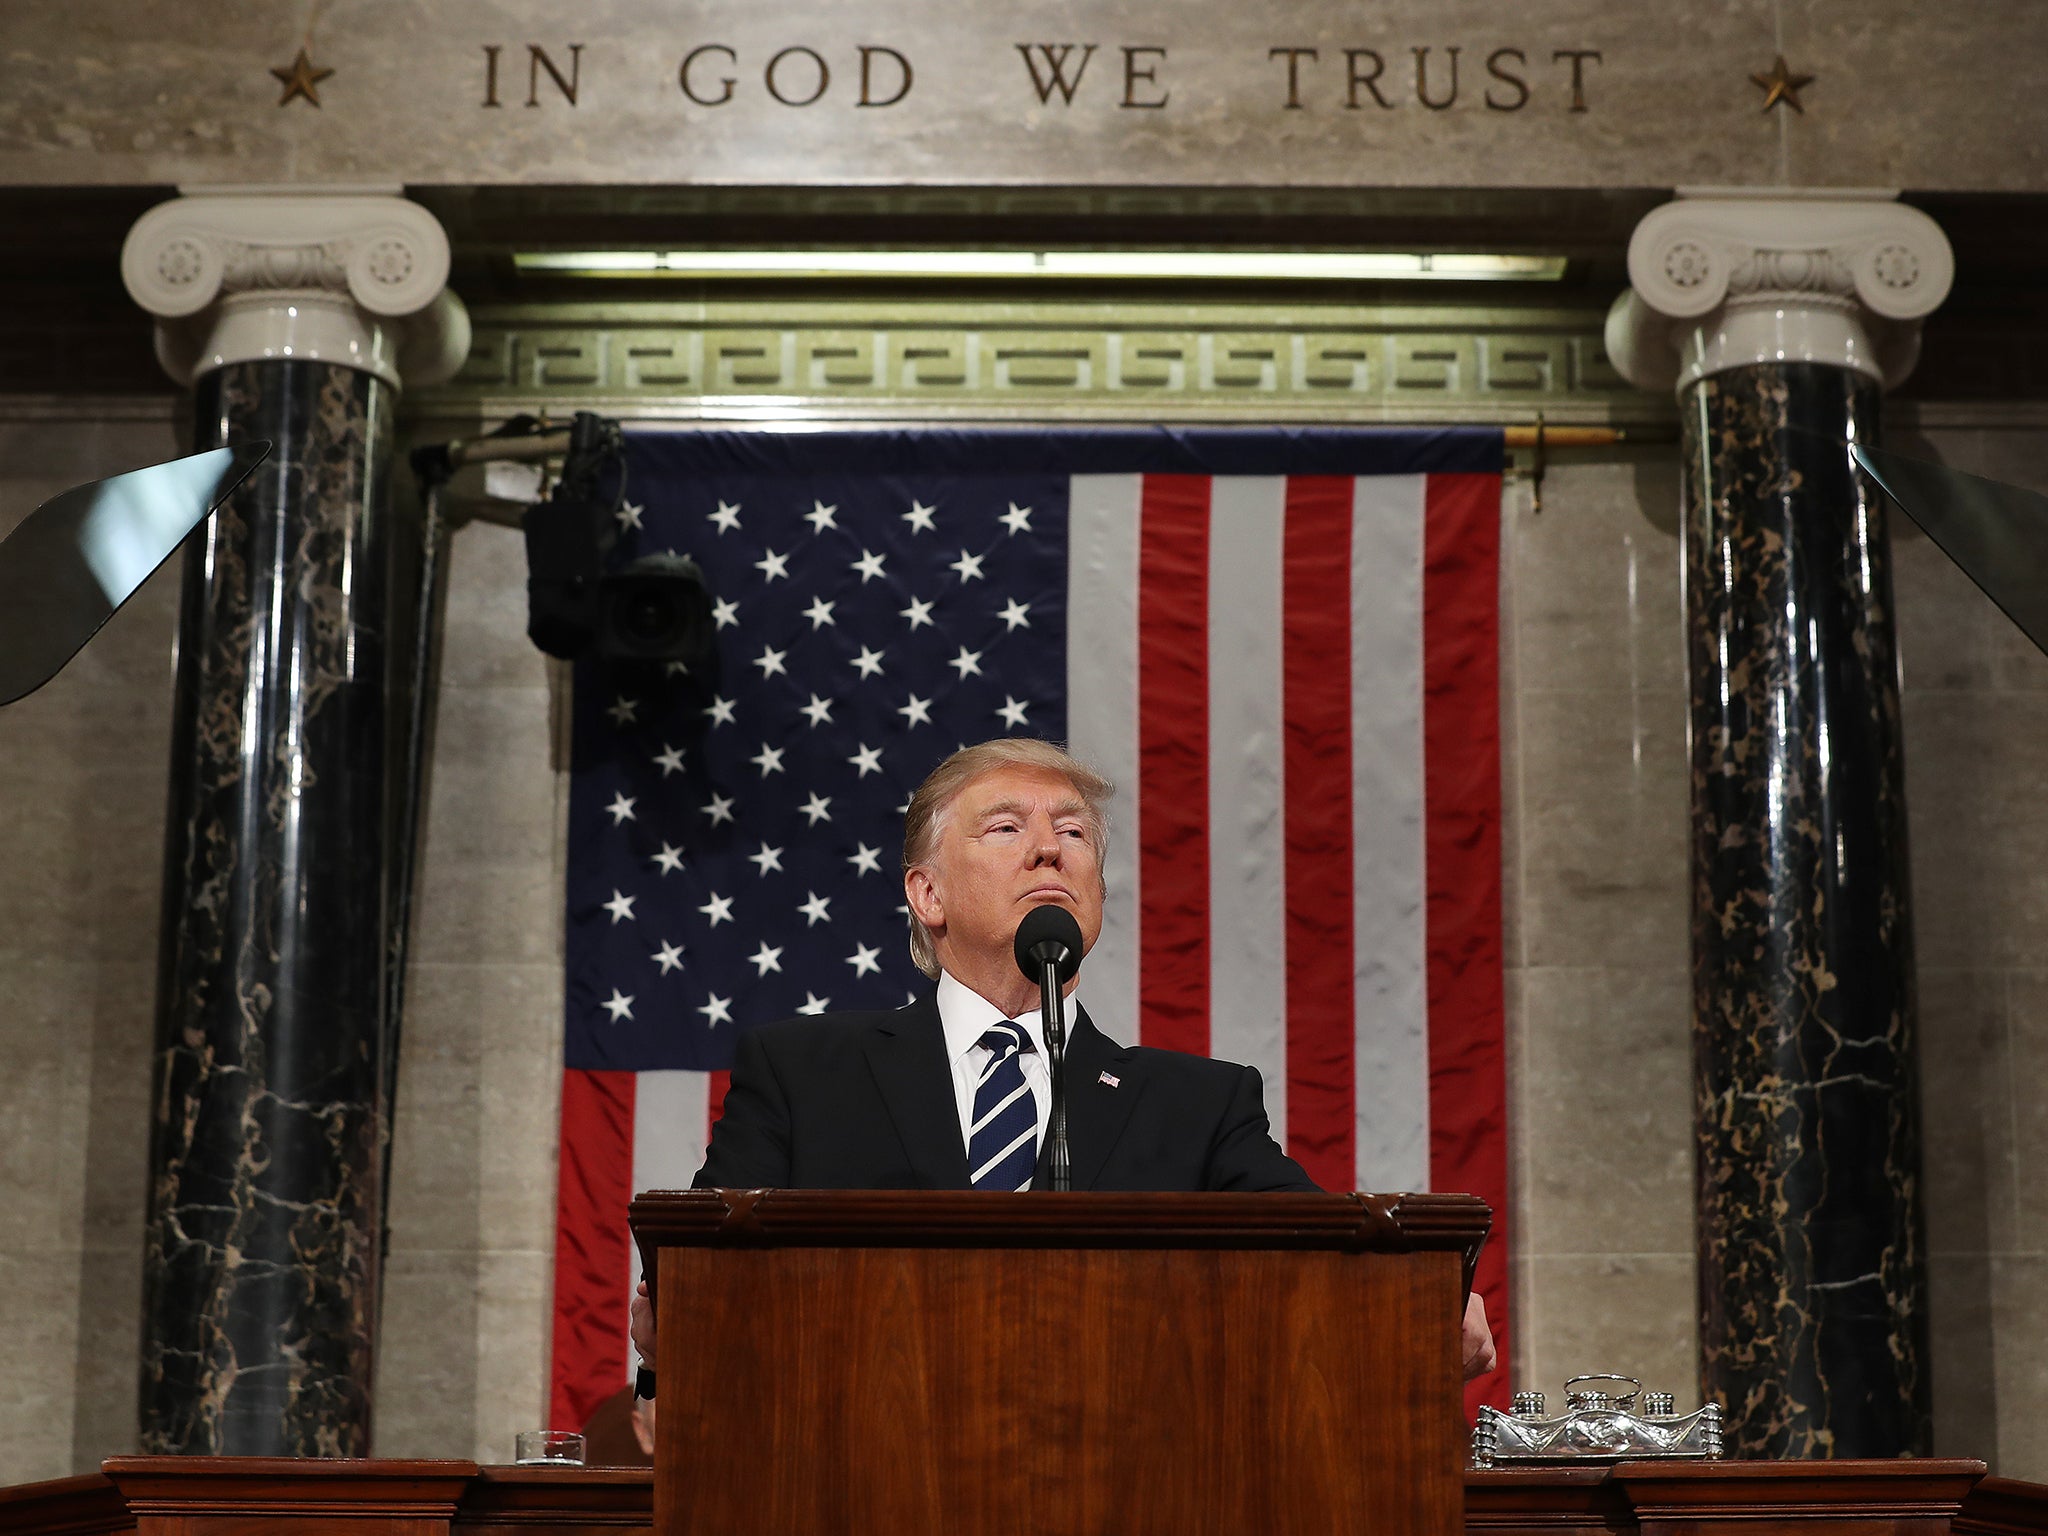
736,836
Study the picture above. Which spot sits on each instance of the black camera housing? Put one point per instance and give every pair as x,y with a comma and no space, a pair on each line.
656,608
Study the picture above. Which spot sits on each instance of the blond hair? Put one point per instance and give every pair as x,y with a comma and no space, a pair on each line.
925,817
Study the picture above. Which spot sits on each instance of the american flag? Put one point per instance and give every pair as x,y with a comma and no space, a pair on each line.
1282,646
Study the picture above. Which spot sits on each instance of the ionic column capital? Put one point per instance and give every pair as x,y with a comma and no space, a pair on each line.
352,277
1726,281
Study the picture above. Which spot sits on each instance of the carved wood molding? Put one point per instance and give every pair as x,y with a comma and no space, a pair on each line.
801,1218
65,1506
375,1495
556,1499
310,1498
1662,1495
2004,1506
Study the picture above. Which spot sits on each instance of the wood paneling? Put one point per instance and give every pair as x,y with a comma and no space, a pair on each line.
312,1498
2003,1506
261,1495
66,1506
882,1363
556,1501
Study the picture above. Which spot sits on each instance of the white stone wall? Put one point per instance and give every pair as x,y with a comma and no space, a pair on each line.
1593,705
133,93
467,1281
1594,740
1976,719
83,783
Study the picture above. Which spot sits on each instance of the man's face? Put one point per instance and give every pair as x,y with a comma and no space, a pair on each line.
1013,839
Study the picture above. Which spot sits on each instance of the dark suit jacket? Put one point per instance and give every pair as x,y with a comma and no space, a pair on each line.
865,1101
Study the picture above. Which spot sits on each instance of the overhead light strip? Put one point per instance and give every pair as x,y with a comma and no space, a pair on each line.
1308,266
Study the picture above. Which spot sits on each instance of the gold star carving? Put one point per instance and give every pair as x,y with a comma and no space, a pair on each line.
1782,85
300,78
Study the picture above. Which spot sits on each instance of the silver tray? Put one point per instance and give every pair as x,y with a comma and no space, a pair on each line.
1598,1425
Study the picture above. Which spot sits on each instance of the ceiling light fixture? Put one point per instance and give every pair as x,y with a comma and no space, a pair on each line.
1256,266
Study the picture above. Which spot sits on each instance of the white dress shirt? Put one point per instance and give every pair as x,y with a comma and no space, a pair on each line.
966,1016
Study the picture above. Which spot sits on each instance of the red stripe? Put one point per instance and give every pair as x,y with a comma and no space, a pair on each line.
1461,786
1173,763
1315,629
715,1101
593,1262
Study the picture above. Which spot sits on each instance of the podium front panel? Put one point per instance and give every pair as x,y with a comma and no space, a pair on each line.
889,1376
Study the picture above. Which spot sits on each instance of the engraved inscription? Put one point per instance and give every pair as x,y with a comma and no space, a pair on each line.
1437,81
1520,99
1054,77
804,92
1449,98
1141,79
1437,76
538,62
870,77
796,75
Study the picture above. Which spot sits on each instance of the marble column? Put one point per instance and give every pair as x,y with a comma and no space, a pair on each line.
1779,321
293,317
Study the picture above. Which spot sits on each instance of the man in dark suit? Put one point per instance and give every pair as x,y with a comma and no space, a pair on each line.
953,1092
887,1100
865,1101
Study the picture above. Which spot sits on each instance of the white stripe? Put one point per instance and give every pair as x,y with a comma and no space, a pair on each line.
1014,1094
1014,1036
671,1115
1247,824
670,1111
997,1159
1102,716
1392,1060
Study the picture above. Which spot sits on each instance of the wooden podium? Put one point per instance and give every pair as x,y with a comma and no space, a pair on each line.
951,1364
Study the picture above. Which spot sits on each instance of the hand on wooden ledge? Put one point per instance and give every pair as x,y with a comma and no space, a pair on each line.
643,1323
1478,1341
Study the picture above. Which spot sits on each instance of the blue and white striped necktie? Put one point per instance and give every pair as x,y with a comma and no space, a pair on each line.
1002,1148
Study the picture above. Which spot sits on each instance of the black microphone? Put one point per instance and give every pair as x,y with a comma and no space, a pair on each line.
1049,932
1049,953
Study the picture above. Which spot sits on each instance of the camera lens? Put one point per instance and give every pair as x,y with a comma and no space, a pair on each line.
648,615
656,609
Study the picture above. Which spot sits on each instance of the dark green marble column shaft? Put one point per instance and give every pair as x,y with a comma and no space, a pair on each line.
266,1160
1813,1291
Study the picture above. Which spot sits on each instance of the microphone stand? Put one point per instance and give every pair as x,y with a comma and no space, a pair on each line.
1052,1017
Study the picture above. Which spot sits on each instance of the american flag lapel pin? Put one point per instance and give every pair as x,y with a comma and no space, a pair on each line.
1107,1078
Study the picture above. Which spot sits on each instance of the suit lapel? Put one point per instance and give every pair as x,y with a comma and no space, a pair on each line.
1096,1111
907,1053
